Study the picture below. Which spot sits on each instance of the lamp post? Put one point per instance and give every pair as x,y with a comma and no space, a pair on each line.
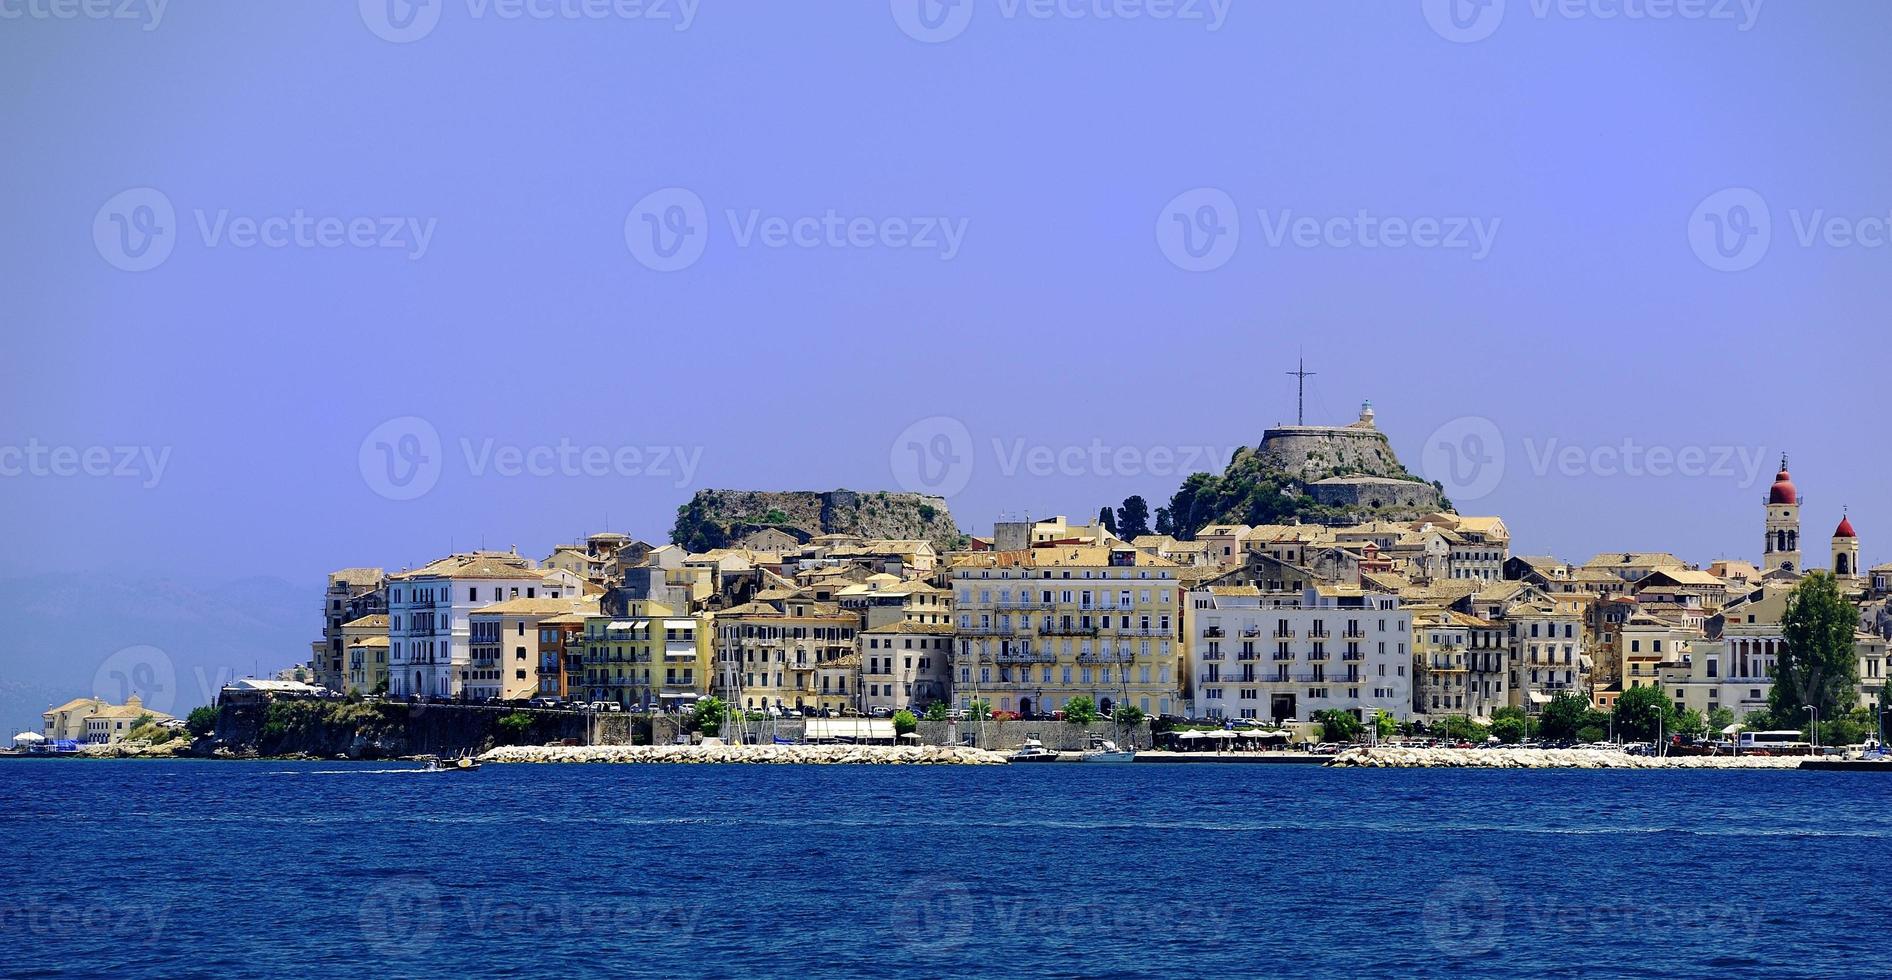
1815,731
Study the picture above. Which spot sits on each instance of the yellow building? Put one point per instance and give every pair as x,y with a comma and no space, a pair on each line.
66,723
648,657
365,654
1041,626
109,723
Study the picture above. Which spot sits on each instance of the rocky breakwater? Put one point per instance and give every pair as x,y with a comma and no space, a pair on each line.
817,755
1384,758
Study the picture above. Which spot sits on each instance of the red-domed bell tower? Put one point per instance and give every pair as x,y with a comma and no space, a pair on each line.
1782,550
1845,550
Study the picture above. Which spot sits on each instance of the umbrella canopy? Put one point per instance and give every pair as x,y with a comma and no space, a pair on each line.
912,735
24,738
1192,734
1221,733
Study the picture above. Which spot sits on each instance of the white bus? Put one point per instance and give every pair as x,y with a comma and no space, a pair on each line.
1785,742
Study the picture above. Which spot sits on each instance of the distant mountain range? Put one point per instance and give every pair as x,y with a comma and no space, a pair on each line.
175,642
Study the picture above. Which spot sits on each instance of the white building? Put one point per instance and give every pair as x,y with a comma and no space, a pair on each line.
429,612
1342,648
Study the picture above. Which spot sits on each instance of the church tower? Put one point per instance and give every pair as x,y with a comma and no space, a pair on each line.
1845,551
1783,524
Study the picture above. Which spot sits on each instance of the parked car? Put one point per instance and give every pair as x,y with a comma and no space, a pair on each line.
880,711
611,706
546,703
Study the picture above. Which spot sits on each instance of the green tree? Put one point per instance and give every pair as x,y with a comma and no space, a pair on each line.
1163,523
904,722
710,714
1080,710
1338,726
1385,724
1525,724
1691,722
1510,729
1643,711
1128,715
979,709
1133,518
1567,714
1719,719
515,724
936,711
1107,520
201,721
1816,665
1459,728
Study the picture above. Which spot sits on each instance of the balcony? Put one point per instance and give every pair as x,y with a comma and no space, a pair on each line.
1353,633
1213,632
1067,629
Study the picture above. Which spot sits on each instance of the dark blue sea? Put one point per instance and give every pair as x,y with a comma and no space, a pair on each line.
159,869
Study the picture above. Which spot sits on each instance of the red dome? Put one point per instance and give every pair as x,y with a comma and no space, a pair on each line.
1782,492
1845,529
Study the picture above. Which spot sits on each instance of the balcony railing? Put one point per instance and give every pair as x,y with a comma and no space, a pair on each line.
1063,629
1213,632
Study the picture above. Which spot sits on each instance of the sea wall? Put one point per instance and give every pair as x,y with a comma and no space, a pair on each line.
1372,758
815,755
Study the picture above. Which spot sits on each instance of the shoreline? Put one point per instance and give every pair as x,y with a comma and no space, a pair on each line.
1383,758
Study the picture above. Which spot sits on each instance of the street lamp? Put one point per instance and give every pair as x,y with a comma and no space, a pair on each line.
1815,709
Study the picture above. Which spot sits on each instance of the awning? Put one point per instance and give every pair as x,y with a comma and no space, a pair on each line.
1731,729
622,624
679,624
1538,697
34,737
1220,733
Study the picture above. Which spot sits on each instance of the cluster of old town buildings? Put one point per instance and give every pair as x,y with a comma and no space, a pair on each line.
1421,618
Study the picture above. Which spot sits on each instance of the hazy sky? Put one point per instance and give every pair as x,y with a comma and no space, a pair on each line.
324,269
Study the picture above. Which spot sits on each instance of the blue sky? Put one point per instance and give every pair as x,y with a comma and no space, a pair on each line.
905,238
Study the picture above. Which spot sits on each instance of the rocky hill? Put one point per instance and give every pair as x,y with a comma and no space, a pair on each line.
715,518
1305,474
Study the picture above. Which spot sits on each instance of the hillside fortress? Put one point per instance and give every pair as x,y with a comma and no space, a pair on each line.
1349,466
